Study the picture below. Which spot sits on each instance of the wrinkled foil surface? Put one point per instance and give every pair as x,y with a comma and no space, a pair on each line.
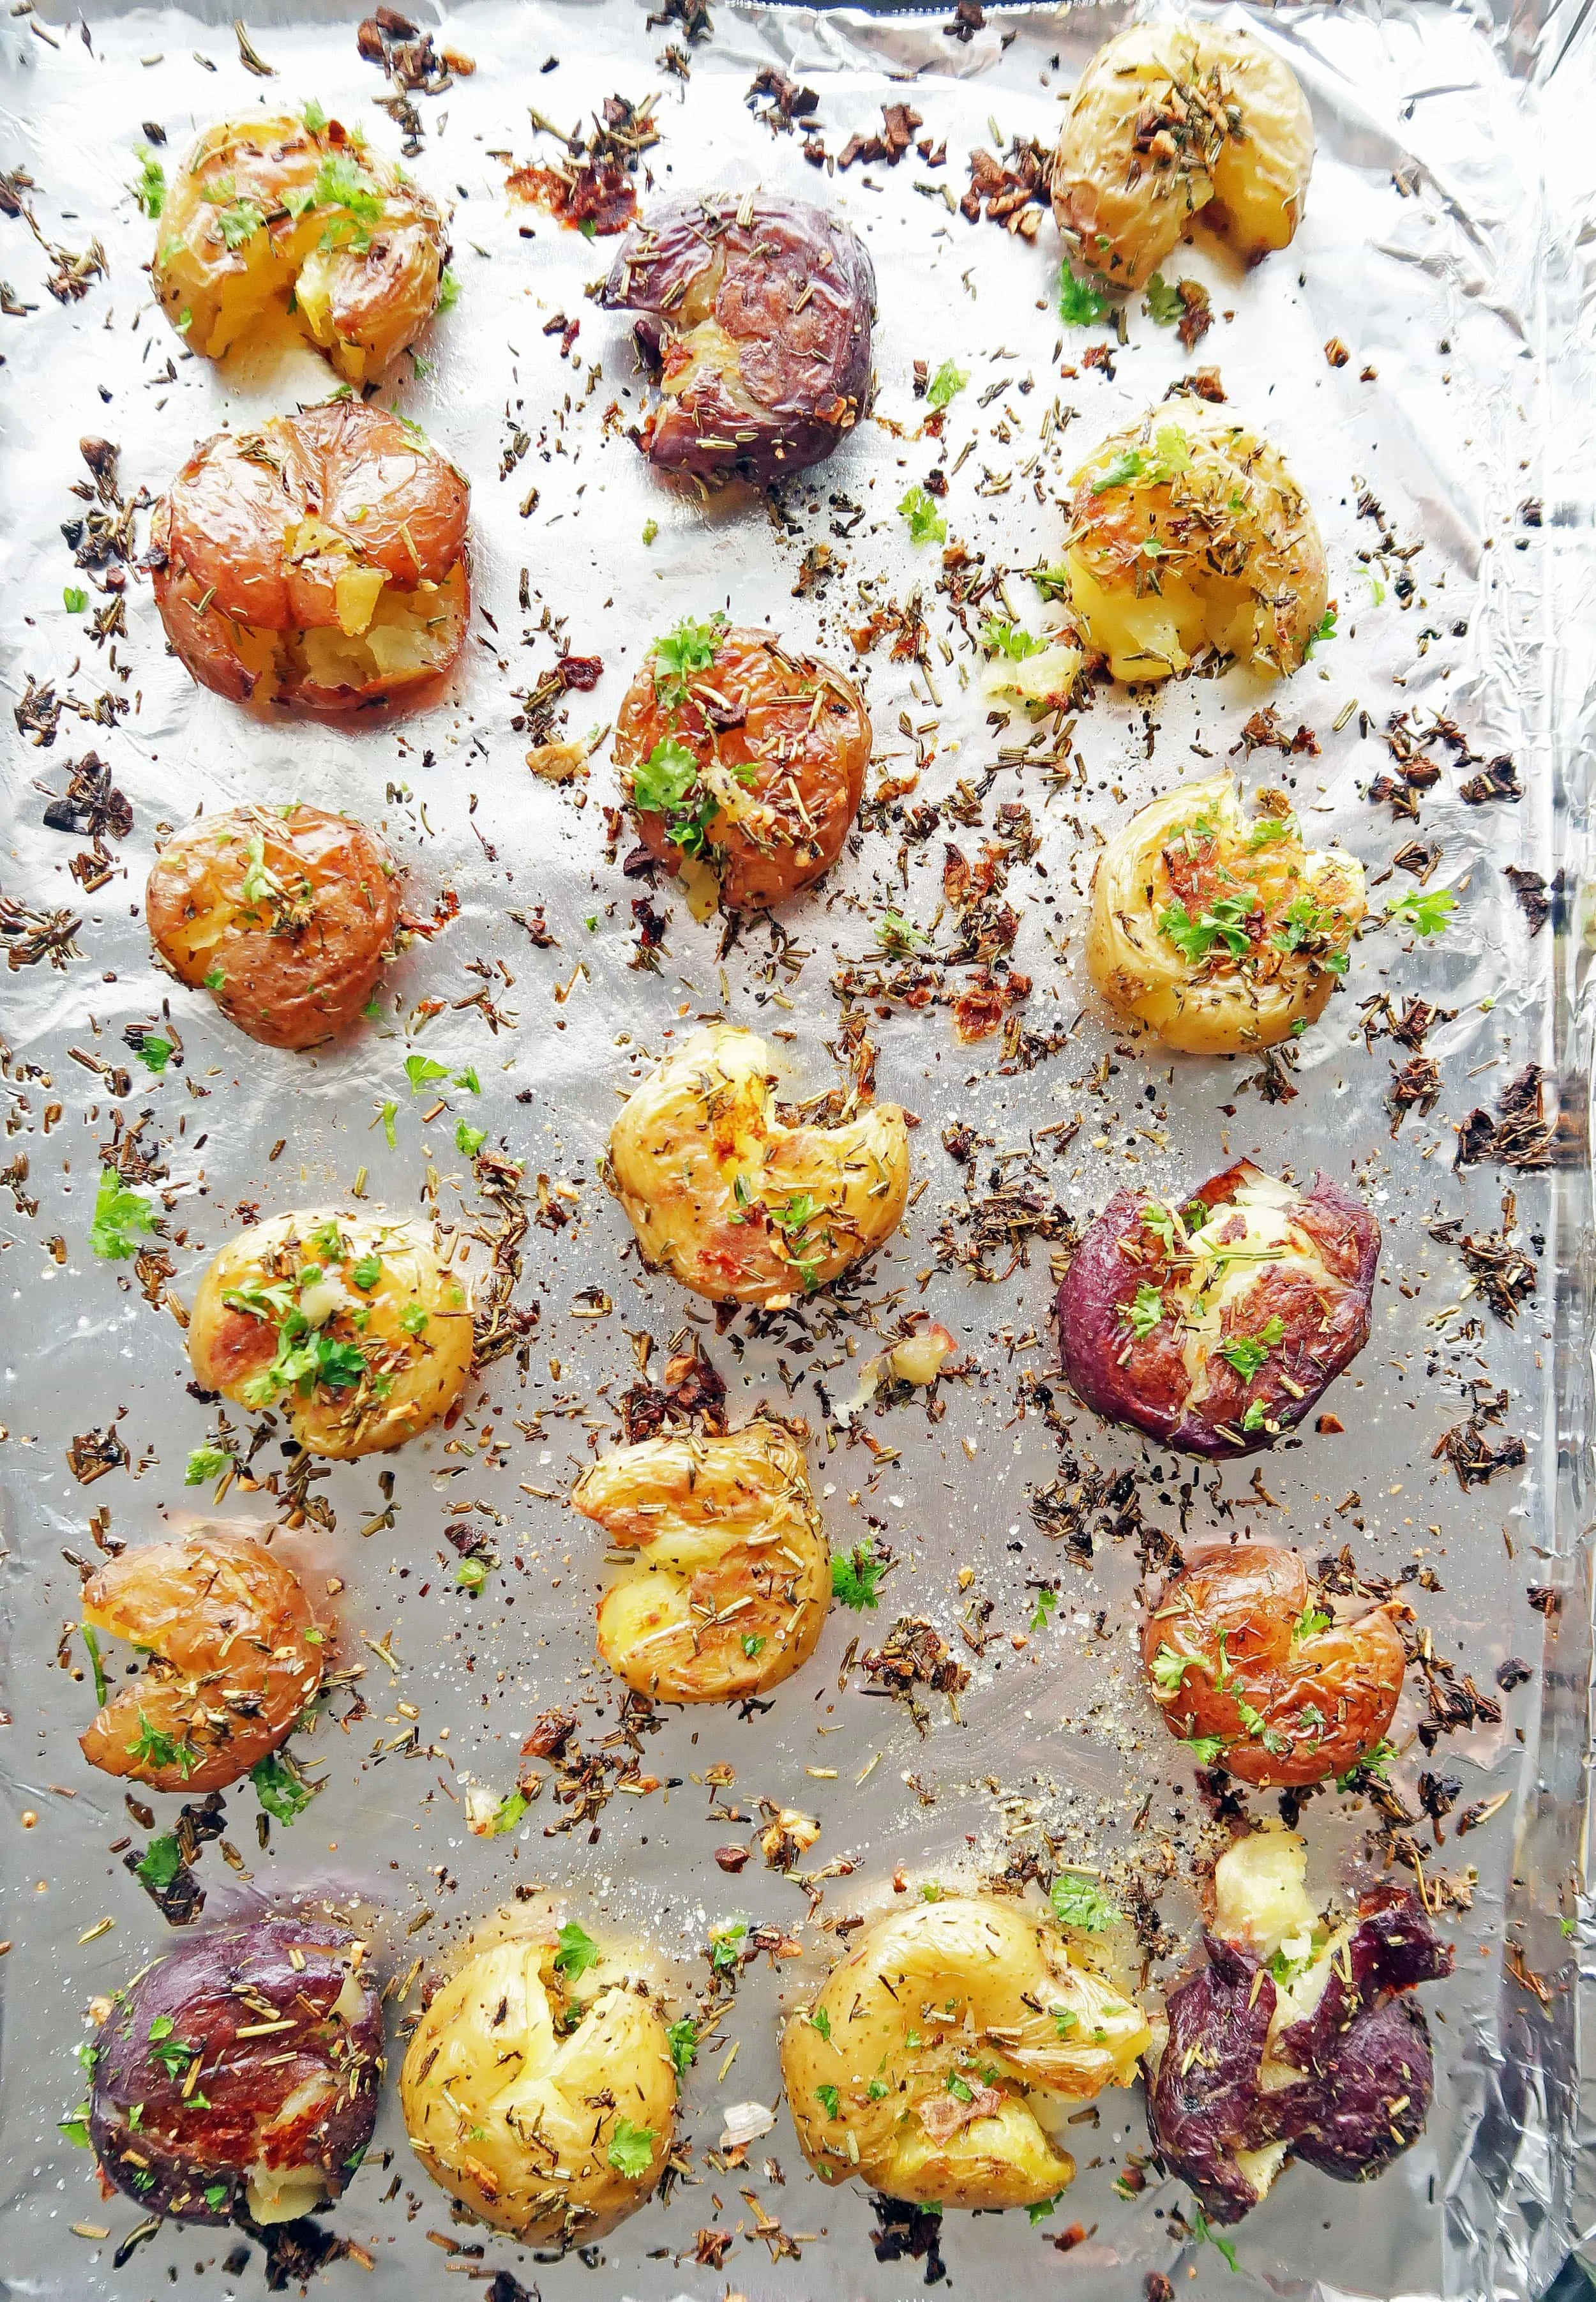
1445,244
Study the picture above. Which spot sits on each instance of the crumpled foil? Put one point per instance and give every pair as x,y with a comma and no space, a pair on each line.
1447,245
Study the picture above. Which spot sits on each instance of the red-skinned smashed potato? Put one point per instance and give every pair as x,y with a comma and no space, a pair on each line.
731,1200
745,765
1214,1322
317,563
1249,1662
754,313
240,2073
286,914
1169,121
234,1660
274,220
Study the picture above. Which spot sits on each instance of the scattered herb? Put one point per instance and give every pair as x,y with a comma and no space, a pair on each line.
1081,306
925,523
280,1787
631,2149
121,1219
1080,1901
946,385
577,1952
1427,913
856,1574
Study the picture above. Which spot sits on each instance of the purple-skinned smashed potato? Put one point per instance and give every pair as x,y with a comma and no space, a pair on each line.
1215,1322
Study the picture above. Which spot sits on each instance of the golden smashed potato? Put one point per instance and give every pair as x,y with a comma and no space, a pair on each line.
1169,120
287,915
346,1324
744,763
1254,1667
234,1657
317,563
540,2090
730,1583
1219,934
1190,537
285,219
733,1203
942,2058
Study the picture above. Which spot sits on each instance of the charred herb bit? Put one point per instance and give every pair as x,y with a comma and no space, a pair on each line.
1533,901
1520,1137
1505,1273
30,935
914,1653
1472,1457
1417,1086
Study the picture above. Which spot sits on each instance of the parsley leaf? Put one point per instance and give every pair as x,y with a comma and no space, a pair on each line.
1046,1607
1170,1668
74,599
1206,1748
1145,1313
121,1219
75,2128
155,1052
159,1864
925,522
341,184
1324,630
1203,2231
1310,1622
1248,1353
468,1138
421,1071
726,1942
829,2101
507,1814
154,1747
150,190
280,1787
1224,921
631,2149
366,1273
819,2019
468,1080
449,289
314,117
387,1114
206,1463
1080,1901
688,650
1165,304
1080,305
1426,914
682,2038
239,223
663,780
946,385
1126,467
855,1575
577,1952
1009,640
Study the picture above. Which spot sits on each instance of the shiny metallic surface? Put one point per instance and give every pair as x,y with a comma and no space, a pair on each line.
1445,246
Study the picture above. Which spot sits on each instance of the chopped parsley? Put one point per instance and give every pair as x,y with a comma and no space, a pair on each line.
507,1814
449,289
726,1942
856,1574
946,385
154,1747
1203,2232
74,599
1143,1315
1046,1606
830,2101
1009,640
925,523
1080,305
1248,1353
1310,1622
366,1274
150,190
577,1952
1325,629
159,1864
897,935
661,785
238,223
206,1463
1224,921
682,2038
1165,304
631,2149
682,654
121,1219
280,1787
314,117
819,2019
1080,1901
1170,1668
1426,914
422,1072
75,2128
1206,1748
468,1138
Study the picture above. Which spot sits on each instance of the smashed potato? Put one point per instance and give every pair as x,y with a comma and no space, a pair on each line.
754,312
728,1589
539,2088
730,1200
1190,537
317,563
1171,120
1218,934
1215,1322
1254,1667
1298,2038
234,1657
347,1324
239,2074
943,2056
286,914
281,219
745,765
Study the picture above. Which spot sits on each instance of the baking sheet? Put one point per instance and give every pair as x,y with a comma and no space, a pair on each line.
1443,245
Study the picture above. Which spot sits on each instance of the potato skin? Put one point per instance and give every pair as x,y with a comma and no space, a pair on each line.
1004,1968
243,1654
1169,864
387,1382
298,961
1311,1268
489,2040
300,2101
754,313
317,562
704,1122
752,709
361,305
729,1547
1168,121
1240,571
1319,1703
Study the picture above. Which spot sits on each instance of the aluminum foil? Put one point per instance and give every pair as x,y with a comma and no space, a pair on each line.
1444,245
